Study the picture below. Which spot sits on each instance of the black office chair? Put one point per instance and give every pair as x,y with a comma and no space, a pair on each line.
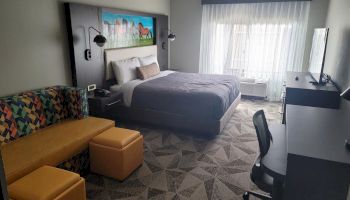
257,175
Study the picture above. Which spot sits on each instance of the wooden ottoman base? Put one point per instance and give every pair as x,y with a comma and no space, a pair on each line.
116,153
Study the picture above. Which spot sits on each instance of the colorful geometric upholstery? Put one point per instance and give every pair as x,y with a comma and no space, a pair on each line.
54,105
79,163
24,113
8,127
37,107
76,100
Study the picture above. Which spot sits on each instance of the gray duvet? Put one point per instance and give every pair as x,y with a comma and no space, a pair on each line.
193,95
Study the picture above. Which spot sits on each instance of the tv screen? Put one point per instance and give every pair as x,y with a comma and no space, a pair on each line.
317,55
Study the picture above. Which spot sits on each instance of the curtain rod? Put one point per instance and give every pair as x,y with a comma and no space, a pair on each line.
244,1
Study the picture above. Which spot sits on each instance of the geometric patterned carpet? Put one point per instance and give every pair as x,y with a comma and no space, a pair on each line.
180,166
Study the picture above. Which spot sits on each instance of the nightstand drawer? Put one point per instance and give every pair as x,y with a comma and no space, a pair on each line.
104,106
113,103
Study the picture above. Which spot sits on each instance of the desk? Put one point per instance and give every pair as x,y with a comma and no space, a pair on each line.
318,164
302,92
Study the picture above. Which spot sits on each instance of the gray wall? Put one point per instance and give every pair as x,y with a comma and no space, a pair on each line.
186,17
338,50
317,19
34,46
185,22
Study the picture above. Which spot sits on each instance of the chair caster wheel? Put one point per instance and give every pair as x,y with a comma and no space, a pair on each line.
246,196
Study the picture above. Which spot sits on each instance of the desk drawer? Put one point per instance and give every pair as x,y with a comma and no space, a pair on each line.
313,98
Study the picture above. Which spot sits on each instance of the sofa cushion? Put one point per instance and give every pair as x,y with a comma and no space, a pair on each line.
50,182
50,146
54,105
24,113
8,127
36,107
116,137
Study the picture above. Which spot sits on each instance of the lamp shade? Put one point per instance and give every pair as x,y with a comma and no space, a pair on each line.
171,37
100,40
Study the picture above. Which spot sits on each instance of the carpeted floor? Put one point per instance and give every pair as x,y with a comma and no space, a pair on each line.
181,166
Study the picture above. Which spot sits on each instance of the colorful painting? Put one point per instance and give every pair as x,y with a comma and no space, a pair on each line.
123,30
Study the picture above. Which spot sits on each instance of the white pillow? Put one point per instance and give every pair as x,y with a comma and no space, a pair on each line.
144,61
125,70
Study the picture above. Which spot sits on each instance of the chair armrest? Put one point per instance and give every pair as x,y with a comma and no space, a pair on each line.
257,170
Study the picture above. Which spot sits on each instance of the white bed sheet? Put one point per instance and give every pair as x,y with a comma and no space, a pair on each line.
128,88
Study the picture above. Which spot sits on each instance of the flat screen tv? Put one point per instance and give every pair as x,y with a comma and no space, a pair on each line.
317,55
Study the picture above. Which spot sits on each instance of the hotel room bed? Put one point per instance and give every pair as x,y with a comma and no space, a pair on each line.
196,102
190,101
188,94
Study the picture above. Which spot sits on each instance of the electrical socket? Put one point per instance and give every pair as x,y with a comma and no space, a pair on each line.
91,87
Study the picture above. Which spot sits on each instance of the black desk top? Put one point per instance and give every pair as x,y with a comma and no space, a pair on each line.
304,82
318,133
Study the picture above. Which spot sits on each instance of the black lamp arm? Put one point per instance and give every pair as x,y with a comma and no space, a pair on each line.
99,32
170,31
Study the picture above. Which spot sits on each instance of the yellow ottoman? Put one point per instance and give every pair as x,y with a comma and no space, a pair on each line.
116,152
48,183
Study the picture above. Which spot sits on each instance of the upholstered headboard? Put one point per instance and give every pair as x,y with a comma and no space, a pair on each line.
125,53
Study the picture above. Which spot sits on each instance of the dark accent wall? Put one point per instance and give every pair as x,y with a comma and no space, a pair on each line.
162,37
79,18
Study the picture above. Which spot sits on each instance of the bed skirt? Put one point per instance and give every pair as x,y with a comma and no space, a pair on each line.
205,127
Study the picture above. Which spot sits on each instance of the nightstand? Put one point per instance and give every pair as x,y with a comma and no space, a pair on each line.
104,107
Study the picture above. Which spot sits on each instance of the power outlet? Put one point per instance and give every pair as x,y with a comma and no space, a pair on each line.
91,87
88,54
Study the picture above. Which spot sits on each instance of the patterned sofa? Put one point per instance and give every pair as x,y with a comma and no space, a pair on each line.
48,126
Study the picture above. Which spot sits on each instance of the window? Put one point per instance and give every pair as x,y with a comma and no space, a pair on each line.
254,40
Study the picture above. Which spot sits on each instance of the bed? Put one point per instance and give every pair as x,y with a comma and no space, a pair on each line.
198,103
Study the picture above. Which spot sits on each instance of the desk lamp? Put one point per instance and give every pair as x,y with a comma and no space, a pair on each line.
346,95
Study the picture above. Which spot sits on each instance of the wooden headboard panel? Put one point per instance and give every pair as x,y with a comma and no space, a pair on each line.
125,53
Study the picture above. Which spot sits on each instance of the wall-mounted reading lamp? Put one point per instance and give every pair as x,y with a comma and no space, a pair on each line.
171,38
99,39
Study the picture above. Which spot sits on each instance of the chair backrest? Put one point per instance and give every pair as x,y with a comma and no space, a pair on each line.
262,131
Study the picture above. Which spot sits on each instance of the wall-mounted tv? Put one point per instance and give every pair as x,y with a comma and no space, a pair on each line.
125,30
318,53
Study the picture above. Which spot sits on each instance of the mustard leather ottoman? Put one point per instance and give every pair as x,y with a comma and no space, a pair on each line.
116,152
48,183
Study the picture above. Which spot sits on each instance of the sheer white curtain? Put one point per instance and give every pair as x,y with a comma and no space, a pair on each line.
254,40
